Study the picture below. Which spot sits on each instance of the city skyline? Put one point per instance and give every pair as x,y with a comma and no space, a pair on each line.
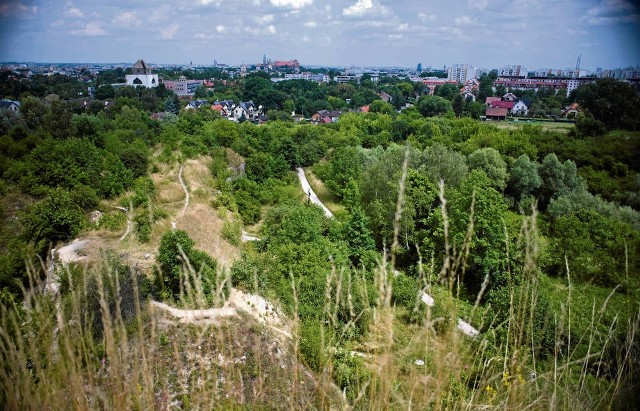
536,33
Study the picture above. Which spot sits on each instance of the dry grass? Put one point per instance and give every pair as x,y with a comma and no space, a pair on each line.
150,361
546,125
327,197
204,226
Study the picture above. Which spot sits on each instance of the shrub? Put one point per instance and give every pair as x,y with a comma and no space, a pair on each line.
232,231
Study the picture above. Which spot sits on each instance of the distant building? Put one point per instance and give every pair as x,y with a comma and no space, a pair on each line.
432,82
183,87
345,79
513,71
461,73
142,76
419,68
289,66
318,78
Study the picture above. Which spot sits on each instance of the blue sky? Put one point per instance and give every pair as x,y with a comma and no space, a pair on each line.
485,33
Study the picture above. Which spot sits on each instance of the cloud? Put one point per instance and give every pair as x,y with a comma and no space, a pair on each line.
464,21
515,26
266,19
220,28
127,19
478,4
167,33
271,29
16,8
74,12
296,4
160,14
311,24
611,12
92,29
358,9
426,17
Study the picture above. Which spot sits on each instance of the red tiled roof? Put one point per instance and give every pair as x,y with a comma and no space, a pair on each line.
496,112
503,104
491,100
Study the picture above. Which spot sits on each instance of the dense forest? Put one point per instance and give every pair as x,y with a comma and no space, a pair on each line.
530,232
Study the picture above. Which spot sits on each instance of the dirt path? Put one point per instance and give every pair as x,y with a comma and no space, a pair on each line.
129,221
186,190
246,237
253,305
306,187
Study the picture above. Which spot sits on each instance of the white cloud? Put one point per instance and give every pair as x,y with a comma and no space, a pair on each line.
220,28
358,9
160,14
266,19
426,17
296,4
74,12
403,27
478,4
92,29
127,18
214,2
271,29
311,24
515,26
464,21
167,33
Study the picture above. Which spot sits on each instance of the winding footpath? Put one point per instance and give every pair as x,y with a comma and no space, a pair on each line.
306,187
238,302
129,222
187,197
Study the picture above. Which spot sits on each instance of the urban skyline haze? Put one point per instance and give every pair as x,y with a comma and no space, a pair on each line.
484,33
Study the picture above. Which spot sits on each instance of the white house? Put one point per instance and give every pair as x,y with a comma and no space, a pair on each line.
520,108
9,105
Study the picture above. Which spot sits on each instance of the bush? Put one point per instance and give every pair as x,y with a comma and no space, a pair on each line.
232,232
173,245
55,218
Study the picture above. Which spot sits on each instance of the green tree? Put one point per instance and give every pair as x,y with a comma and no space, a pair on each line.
447,91
490,161
524,180
557,178
346,163
441,163
33,111
614,103
105,91
53,219
358,235
430,106
174,246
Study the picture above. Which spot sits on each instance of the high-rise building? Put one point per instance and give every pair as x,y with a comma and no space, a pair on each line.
461,73
513,71
419,68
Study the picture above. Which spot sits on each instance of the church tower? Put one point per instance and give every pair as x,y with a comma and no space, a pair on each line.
142,76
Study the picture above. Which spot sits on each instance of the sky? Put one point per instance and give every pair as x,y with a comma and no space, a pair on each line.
483,33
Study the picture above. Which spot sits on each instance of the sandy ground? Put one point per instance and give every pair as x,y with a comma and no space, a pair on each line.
253,305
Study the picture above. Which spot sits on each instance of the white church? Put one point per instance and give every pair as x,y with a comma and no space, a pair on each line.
142,76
